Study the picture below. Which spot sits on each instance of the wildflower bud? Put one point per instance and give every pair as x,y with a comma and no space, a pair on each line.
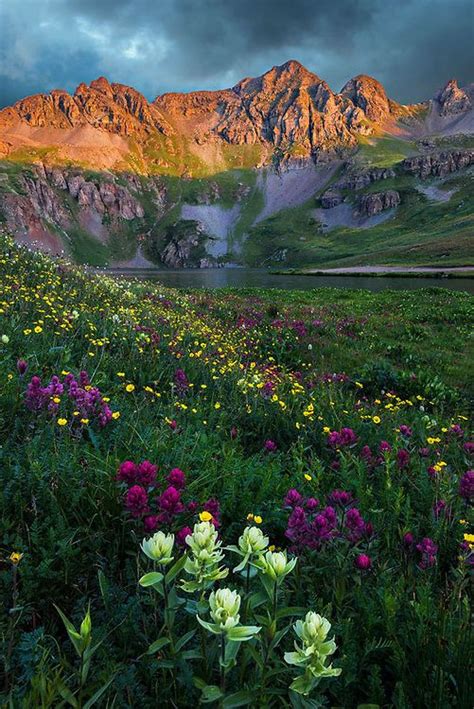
5,339
159,547
21,366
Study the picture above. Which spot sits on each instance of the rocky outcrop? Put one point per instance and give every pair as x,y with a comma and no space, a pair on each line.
331,198
376,202
438,164
357,181
184,248
453,100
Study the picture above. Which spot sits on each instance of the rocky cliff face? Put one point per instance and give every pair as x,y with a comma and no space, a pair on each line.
438,164
103,203
376,202
356,181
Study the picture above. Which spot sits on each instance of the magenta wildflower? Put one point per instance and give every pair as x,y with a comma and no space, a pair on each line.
151,524
403,458
292,498
136,501
177,478
127,472
466,485
182,534
146,473
363,562
270,446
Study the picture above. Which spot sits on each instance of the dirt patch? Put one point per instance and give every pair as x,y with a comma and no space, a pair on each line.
435,194
292,187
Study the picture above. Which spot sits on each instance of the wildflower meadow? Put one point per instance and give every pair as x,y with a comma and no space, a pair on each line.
244,498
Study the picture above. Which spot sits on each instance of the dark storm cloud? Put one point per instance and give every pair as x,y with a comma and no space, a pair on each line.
412,46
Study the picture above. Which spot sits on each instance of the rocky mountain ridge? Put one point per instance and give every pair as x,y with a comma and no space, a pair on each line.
287,113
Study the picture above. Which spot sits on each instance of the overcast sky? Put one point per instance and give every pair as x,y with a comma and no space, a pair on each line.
412,46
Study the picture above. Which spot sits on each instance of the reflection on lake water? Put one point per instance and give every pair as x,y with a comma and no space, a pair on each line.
260,278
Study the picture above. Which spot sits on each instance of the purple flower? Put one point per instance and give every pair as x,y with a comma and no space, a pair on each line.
405,431
341,498
403,458
384,447
408,540
213,507
466,485
136,501
151,523
363,562
146,473
127,472
292,498
427,550
469,447
344,437
177,478
182,534
439,508
170,501
22,366
270,446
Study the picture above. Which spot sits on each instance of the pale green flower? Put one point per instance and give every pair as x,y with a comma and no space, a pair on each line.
204,536
224,607
159,548
206,555
5,339
251,546
312,655
276,565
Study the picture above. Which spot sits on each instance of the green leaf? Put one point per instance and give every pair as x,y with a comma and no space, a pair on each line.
66,694
211,693
191,655
278,637
242,633
103,584
239,699
157,645
231,650
211,627
303,684
152,579
290,611
72,632
185,639
95,697
175,569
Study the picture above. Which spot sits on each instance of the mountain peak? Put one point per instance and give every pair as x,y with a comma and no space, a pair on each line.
452,99
101,84
368,94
